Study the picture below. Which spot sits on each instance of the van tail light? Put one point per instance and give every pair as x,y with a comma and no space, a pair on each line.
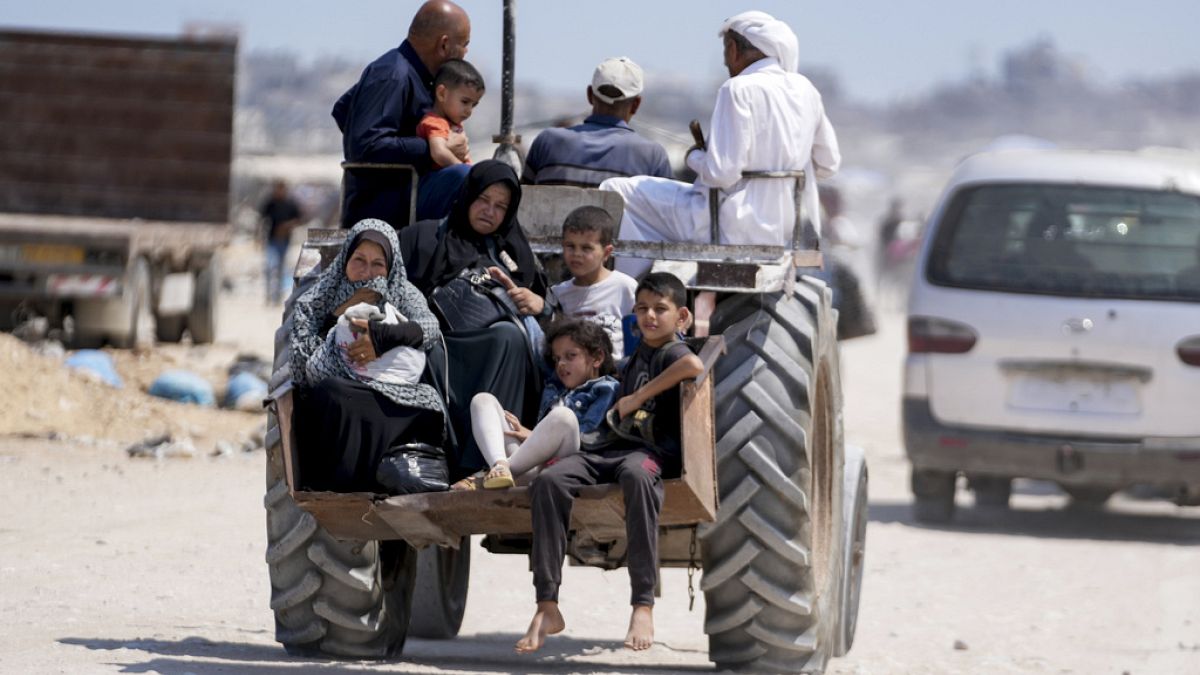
927,335
1189,350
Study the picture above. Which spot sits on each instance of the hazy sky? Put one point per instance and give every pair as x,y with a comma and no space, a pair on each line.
881,49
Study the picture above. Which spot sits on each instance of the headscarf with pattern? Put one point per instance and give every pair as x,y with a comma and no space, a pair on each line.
316,356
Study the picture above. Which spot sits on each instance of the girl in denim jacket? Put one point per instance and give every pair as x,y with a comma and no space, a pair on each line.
578,392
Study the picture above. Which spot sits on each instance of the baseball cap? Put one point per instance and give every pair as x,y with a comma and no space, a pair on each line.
620,73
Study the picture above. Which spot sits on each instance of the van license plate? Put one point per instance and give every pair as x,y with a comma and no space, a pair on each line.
51,254
1075,394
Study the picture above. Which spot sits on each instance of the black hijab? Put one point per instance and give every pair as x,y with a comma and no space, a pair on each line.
437,260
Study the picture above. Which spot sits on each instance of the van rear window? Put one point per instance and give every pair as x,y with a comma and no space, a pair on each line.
1070,240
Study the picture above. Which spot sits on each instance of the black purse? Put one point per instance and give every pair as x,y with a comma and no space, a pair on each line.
412,468
472,300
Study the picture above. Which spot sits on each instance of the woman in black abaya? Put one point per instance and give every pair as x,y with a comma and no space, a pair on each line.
482,232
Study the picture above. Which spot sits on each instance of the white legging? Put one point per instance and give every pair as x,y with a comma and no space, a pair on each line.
556,435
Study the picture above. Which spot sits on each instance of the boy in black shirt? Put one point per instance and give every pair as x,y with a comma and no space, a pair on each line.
649,385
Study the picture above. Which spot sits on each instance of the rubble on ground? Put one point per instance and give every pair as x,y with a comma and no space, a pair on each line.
42,398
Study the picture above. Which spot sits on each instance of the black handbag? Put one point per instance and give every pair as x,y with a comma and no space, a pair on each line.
472,300
412,468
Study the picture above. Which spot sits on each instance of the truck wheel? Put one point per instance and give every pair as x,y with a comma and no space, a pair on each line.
140,333
991,492
933,496
772,560
440,592
202,321
1088,496
169,328
339,598
855,318
854,501
8,315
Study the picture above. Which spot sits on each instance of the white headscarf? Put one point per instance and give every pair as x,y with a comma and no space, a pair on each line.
770,35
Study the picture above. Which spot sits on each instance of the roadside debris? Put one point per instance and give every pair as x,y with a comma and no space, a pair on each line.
223,449
97,365
245,391
51,349
183,386
43,397
250,363
163,447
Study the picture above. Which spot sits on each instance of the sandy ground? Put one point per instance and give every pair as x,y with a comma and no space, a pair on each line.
113,564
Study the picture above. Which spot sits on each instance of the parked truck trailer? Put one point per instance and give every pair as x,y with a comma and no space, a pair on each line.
114,182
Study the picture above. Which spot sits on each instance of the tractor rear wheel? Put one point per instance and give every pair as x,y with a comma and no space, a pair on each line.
773,565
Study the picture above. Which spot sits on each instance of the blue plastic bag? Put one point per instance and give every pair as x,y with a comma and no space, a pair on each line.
183,386
97,364
245,391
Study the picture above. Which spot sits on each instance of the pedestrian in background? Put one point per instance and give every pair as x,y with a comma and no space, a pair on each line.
280,215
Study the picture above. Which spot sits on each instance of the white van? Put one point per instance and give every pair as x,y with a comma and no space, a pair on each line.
1054,329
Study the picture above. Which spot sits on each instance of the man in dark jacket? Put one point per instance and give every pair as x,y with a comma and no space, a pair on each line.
603,146
378,116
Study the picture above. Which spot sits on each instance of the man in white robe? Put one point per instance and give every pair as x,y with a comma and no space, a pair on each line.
767,117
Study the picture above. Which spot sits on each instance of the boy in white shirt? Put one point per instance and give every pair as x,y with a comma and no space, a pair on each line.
595,293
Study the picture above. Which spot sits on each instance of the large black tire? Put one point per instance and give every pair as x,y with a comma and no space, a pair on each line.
855,318
991,492
140,333
1086,497
338,598
854,508
440,592
202,320
933,496
772,560
8,315
169,329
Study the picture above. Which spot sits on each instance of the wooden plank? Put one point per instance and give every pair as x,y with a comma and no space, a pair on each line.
284,406
346,515
442,517
808,259
713,348
543,208
699,450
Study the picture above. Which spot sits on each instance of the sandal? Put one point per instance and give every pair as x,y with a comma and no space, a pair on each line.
499,477
472,482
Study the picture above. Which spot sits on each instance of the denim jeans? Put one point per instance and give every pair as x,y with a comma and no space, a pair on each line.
278,276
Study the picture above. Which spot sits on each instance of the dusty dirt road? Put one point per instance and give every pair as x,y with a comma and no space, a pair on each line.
109,564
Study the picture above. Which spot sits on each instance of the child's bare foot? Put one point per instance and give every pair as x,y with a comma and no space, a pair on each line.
547,620
641,628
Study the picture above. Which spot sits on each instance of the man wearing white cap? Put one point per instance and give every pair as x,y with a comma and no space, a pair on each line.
767,117
604,146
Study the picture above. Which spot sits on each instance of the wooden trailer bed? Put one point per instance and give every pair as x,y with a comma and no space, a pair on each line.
444,517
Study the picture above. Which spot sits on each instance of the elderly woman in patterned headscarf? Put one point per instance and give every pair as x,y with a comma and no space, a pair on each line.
347,423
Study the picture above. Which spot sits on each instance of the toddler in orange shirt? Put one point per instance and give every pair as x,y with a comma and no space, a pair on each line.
457,88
